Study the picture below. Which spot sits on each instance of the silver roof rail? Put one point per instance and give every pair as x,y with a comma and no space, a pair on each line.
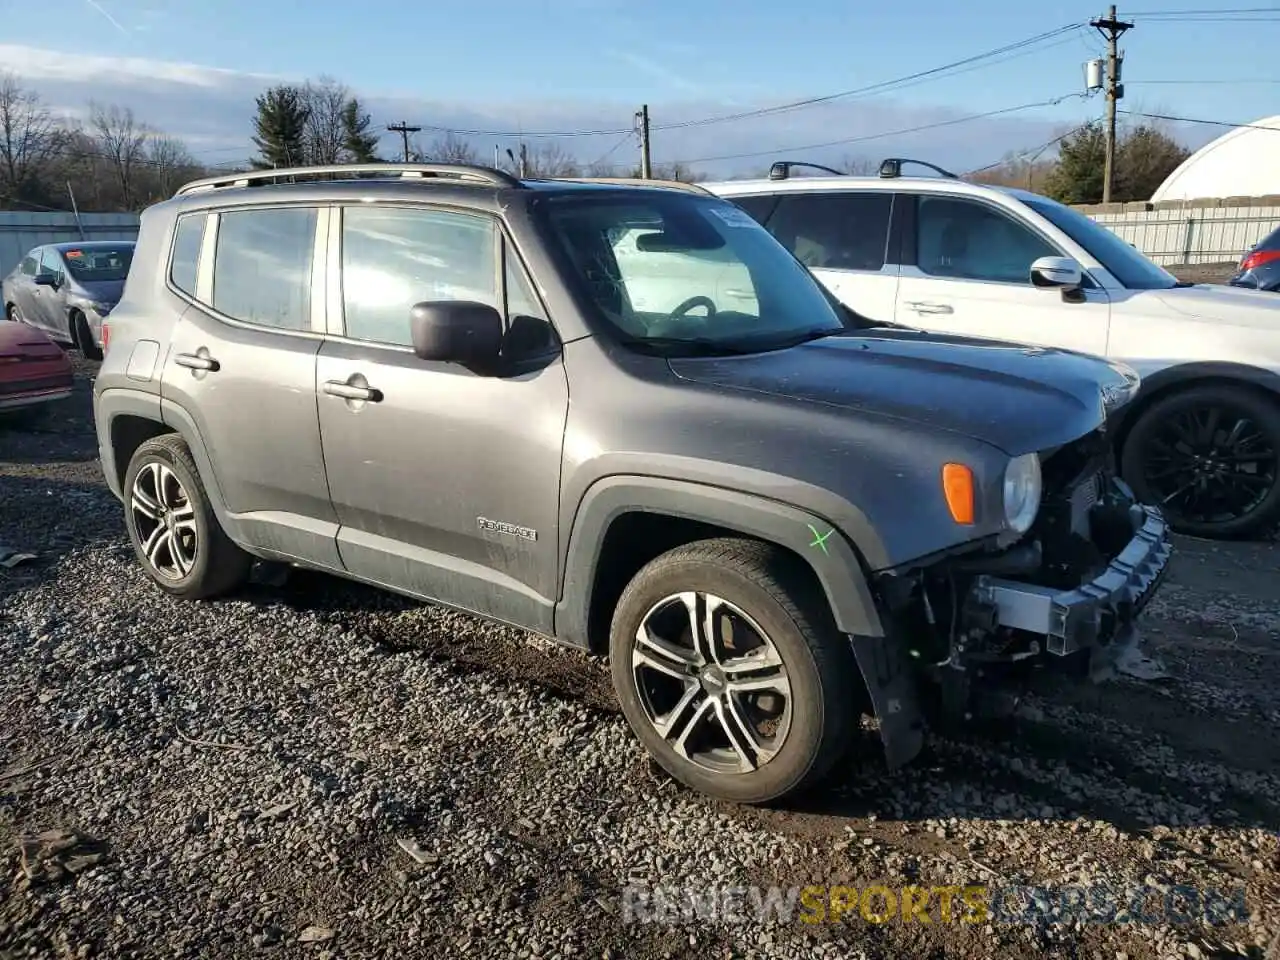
639,182
405,171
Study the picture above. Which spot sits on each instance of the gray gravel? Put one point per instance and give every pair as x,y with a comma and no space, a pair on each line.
320,769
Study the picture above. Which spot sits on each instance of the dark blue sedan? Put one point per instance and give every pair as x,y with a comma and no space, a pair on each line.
1260,268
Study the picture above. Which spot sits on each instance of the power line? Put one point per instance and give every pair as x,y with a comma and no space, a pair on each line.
1212,123
970,118
1018,48
1202,83
1033,152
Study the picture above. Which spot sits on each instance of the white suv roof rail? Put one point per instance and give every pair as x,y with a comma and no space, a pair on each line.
405,171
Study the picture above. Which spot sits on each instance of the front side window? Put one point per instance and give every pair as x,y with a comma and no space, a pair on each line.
99,263
972,241
759,205
187,241
394,258
675,269
835,231
262,266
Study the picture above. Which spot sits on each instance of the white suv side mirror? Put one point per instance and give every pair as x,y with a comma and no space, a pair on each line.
1056,273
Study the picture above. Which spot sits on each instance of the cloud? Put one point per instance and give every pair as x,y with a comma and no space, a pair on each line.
212,108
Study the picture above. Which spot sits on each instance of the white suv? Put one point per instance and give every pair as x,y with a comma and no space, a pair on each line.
945,255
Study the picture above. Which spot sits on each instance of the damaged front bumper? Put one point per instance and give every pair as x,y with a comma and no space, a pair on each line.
1098,613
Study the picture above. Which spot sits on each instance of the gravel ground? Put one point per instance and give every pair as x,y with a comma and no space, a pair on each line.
317,769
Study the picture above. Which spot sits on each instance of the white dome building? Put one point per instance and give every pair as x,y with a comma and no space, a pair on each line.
1244,162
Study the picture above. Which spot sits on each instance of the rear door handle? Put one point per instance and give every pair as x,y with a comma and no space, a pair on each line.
349,391
922,306
194,361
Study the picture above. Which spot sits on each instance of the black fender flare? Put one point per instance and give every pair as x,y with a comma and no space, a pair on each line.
1186,375
833,559
882,661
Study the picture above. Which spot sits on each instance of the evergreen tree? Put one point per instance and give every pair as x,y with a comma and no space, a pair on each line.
1082,159
281,128
359,143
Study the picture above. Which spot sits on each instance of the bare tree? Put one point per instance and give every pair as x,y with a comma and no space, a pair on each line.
326,134
29,138
858,166
171,164
548,161
121,140
450,148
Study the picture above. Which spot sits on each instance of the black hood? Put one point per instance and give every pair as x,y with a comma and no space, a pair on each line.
1016,397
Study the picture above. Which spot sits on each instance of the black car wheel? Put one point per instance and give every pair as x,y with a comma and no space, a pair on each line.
174,531
12,313
1209,457
731,671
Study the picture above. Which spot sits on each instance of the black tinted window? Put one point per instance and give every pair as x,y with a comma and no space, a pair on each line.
839,231
972,241
30,266
187,241
392,259
758,206
262,267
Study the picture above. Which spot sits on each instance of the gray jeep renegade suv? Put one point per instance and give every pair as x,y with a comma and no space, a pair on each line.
623,416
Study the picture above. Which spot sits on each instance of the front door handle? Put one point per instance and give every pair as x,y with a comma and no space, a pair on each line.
196,361
923,306
350,391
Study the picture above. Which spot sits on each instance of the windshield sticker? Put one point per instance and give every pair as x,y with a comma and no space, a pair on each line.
734,216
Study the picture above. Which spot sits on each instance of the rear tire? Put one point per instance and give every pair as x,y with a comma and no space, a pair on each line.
1209,457
174,531
762,701
82,333
12,313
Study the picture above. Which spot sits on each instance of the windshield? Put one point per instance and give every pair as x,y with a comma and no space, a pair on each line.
667,270
99,263
1124,262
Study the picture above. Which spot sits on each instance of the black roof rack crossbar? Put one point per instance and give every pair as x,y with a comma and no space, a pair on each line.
405,171
782,169
892,168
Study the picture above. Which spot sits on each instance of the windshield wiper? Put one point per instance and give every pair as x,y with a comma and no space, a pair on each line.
806,337
697,346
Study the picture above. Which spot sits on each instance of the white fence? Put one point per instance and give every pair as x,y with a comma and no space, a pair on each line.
1197,231
20,231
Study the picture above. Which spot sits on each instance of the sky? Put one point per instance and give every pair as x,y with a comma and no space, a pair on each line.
191,68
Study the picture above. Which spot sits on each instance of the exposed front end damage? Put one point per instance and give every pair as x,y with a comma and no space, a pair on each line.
1065,596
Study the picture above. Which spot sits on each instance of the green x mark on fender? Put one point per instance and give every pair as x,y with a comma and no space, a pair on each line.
820,539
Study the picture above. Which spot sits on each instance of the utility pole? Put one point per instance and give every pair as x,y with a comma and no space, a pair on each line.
524,160
1113,29
404,130
646,168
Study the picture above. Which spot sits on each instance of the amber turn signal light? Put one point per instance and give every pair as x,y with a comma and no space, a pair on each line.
957,487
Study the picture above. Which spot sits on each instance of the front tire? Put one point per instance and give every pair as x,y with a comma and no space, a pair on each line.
731,671
1209,457
175,533
82,333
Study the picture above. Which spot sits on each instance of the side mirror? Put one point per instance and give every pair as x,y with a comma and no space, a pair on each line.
45,280
1056,273
456,331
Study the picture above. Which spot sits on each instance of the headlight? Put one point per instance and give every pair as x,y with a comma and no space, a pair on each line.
1116,395
1022,492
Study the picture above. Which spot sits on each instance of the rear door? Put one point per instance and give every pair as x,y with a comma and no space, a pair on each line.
967,270
842,236
22,287
241,366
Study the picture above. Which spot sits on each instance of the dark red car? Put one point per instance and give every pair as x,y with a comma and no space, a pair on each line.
33,369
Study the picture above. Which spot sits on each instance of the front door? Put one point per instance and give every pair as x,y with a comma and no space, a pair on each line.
51,301
446,482
242,366
967,270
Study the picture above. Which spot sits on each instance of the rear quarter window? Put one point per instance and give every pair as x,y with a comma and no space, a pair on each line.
184,262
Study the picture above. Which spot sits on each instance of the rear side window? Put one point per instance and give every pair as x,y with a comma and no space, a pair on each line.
187,240
835,231
758,206
30,266
262,266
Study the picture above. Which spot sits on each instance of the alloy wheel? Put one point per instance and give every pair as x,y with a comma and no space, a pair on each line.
1210,464
165,521
711,683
